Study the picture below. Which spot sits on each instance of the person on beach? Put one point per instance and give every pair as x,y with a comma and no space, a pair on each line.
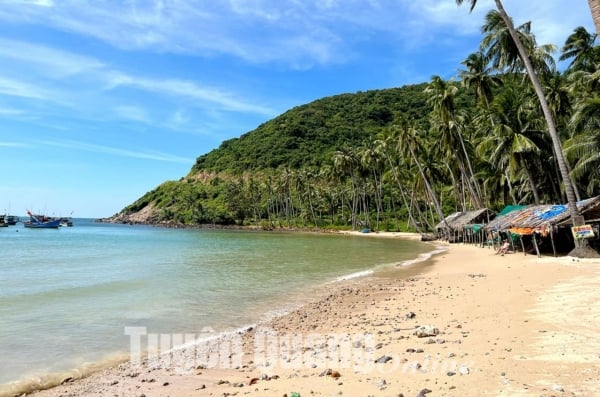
504,248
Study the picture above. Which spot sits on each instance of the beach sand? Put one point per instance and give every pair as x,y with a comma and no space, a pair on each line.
511,325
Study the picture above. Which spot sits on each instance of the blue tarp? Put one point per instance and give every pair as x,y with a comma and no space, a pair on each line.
551,213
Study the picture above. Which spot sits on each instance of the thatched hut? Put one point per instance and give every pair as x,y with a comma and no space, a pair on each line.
529,225
463,226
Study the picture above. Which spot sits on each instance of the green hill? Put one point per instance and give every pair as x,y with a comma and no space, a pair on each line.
305,137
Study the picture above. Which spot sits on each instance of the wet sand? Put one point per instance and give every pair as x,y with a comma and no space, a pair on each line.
472,323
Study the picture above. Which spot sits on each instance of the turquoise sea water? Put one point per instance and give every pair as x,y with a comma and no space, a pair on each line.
66,295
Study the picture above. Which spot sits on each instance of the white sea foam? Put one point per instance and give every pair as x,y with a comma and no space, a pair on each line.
424,256
350,276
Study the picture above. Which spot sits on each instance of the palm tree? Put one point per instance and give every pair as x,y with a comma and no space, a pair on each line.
556,143
584,145
479,78
516,144
450,124
409,142
579,47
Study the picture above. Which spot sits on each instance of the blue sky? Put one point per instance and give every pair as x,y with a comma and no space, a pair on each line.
101,101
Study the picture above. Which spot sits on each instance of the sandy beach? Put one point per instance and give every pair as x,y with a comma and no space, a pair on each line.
471,323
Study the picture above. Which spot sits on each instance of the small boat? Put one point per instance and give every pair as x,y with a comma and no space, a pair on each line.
2,222
41,222
66,221
11,220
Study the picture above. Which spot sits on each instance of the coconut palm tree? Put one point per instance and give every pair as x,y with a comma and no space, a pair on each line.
449,123
580,48
478,77
514,146
409,143
556,143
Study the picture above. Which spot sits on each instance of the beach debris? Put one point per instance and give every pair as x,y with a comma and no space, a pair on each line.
294,394
410,315
426,330
477,275
383,359
382,384
463,370
423,392
327,372
450,373
558,388
335,374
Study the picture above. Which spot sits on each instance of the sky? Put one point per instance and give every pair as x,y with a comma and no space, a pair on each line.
102,101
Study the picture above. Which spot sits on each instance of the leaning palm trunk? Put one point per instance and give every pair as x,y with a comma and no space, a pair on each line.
576,217
595,9
431,193
562,165
473,184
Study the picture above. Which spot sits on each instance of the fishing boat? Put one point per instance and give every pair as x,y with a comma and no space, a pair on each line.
66,221
11,220
41,222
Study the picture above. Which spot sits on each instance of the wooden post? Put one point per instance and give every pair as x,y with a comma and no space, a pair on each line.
552,240
535,245
522,244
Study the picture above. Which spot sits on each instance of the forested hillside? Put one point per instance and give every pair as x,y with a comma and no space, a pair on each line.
402,158
307,135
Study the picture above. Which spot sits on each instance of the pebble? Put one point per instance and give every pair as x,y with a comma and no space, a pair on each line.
383,359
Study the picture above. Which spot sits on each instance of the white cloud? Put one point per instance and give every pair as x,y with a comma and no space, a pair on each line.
261,31
139,154
133,113
189,89
49,61
7,111
22,89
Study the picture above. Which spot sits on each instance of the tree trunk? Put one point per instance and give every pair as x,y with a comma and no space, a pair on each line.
595,8
562,165
436,203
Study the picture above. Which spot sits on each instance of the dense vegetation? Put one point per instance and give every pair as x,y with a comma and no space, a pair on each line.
307,135
402,158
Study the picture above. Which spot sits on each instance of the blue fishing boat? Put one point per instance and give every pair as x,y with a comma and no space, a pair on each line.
41,222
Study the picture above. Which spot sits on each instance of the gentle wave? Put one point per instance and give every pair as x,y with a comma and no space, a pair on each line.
440,249
272,274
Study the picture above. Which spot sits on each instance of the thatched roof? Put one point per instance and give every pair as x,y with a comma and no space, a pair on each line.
458,220
539,218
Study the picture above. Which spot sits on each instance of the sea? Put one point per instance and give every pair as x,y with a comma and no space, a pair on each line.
67,295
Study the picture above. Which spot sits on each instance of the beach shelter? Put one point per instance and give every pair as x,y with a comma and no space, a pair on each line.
540,221
461,224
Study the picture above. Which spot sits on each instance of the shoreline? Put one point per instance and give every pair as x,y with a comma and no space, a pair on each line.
500,331
37,382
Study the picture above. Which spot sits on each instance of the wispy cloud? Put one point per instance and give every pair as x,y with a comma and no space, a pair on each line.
138,154
15,144
189,89
52,62
134,113
296,33
6,111
22,89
